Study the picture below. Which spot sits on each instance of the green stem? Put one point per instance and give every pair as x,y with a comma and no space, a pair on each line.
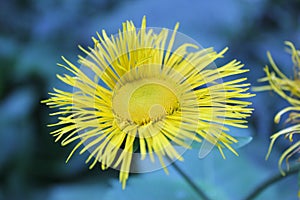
293,170
193,185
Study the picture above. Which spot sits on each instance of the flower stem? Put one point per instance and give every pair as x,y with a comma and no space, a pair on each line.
277,177
197,189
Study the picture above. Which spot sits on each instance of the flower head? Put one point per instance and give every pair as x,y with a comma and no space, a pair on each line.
288,89
144,91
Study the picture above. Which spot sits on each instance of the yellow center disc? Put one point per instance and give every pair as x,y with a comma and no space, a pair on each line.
141,102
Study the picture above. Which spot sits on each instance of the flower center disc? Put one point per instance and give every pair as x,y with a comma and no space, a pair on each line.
141,102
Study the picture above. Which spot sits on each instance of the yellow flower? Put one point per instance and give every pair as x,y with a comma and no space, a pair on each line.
146,87
288,89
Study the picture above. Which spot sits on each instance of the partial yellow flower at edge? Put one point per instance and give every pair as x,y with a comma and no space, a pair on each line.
152,93
288,89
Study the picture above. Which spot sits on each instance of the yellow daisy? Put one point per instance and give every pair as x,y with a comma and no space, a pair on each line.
288,89
147,91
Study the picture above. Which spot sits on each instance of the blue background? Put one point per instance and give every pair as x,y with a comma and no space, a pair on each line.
33,36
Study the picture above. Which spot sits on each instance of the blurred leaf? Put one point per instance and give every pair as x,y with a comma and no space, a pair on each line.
243,136
242,141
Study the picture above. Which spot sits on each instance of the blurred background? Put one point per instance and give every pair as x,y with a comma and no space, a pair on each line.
33,36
